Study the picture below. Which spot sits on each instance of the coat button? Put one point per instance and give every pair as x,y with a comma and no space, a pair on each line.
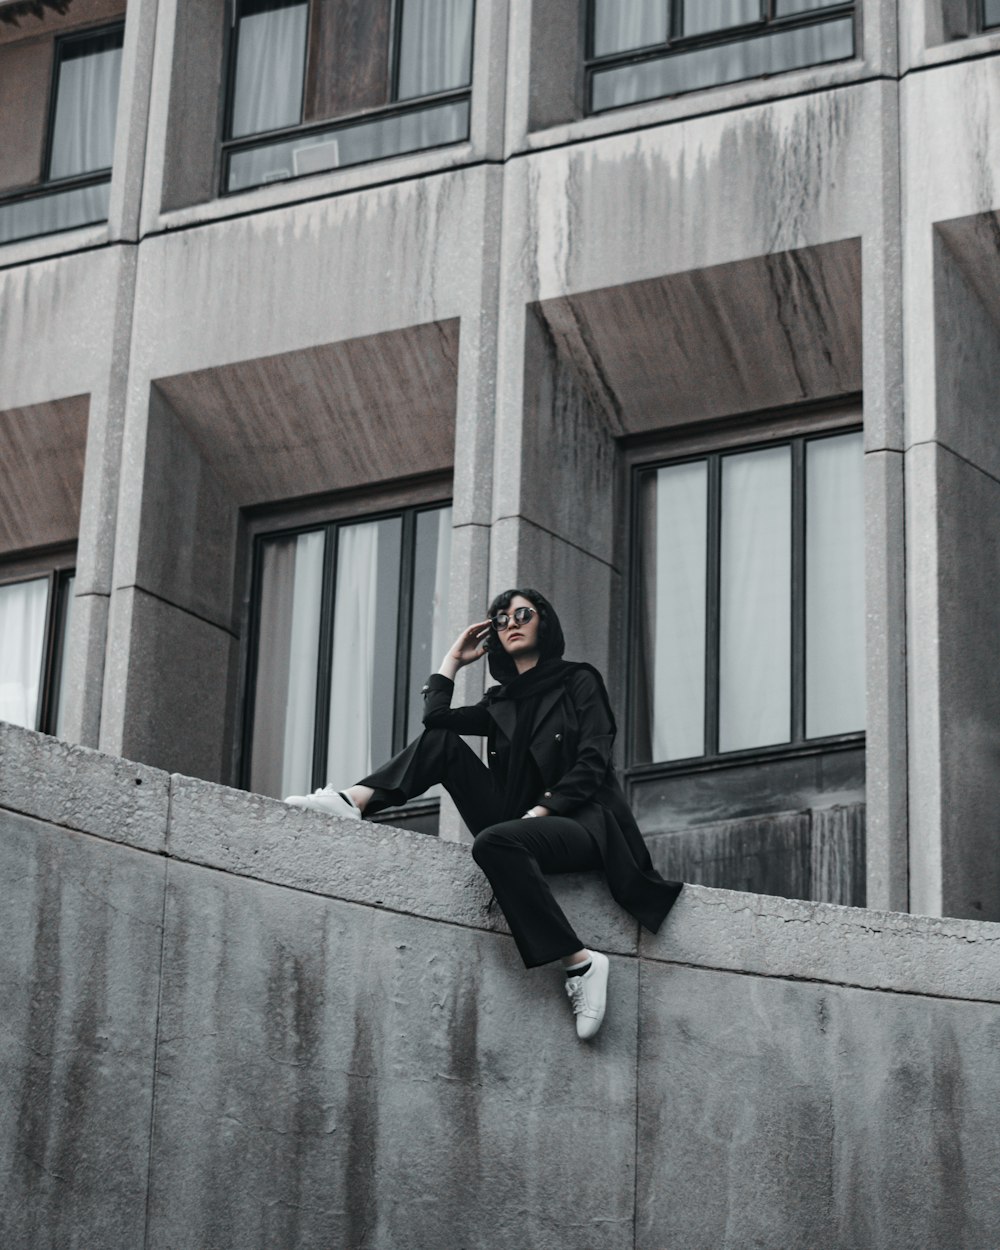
493,753
558,737
547,794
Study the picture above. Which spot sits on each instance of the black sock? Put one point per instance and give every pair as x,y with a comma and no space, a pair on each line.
579,969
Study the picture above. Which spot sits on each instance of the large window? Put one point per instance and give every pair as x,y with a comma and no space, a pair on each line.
35,616
341,82
646,49
749,630
58,118
348,620
991,13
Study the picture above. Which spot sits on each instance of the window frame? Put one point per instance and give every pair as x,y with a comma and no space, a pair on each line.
75,182
351,508
793,428
393,108
57,569
676,42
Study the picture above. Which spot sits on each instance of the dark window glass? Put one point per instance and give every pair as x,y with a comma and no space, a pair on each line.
349,618
641,50
360,57
75,190
750,596
991,12
34,623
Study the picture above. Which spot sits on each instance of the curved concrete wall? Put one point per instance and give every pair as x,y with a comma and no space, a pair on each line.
228,1023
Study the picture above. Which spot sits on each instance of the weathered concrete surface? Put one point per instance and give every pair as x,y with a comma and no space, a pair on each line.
780,1114
348,1051
329,1075
79,979
81,789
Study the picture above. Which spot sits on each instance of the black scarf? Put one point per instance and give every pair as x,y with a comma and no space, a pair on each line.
523,783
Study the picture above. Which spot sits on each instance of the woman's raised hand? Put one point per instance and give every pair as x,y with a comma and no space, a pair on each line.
467,648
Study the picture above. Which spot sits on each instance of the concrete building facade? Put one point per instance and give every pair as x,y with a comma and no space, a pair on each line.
599,260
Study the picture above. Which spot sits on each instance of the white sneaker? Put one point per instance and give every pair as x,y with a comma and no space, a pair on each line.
329,800
588,995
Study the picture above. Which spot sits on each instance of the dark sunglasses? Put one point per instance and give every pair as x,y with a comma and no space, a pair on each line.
521,616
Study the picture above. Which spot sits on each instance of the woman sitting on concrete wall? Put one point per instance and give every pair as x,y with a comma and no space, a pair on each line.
549,801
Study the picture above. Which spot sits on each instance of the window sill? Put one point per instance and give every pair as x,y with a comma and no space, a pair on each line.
728,98
761,756
325,186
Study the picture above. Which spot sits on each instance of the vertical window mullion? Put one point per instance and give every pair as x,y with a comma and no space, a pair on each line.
400,715
322,734
44,709
712,615
253,624
798,596
395,30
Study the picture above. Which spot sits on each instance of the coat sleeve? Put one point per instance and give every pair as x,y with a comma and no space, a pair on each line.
593,758
439,714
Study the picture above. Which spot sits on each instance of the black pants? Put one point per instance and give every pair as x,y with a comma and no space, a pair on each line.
514,854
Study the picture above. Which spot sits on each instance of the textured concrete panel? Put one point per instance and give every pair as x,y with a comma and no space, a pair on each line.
176,712
791,1115
969,623
38,19
364,862
787,326
332,1076
343,415
82,789
25,75
79,975
763,935
41,473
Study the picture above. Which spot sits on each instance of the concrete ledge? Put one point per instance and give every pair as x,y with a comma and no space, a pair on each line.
362,862
82,789
780,937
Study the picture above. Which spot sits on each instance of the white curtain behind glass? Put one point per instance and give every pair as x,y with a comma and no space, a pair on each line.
704,16
623,24
679,646
83,131
352,677
755,607
435,52
23,607
270,66
835,590
300,707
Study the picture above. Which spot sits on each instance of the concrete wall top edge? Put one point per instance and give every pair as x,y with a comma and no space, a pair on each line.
378,866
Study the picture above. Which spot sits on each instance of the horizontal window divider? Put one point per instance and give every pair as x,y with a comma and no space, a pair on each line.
304,129
739,759
718,38
77,183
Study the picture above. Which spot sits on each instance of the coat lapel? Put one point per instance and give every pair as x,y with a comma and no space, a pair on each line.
545,705
505,714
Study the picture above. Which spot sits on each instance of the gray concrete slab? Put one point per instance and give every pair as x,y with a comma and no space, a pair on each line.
763,935
364,862
80,941
329,1075
886,730
166,687
778,1114
77,788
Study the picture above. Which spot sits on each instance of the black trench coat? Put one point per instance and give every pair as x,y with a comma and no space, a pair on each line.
571,743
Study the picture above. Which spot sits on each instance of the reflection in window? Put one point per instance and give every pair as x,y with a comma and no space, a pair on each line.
394,79
348,619
991,12
750,596
34,625
75,187
645,50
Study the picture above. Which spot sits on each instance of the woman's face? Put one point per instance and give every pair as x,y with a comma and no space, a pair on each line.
520,640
